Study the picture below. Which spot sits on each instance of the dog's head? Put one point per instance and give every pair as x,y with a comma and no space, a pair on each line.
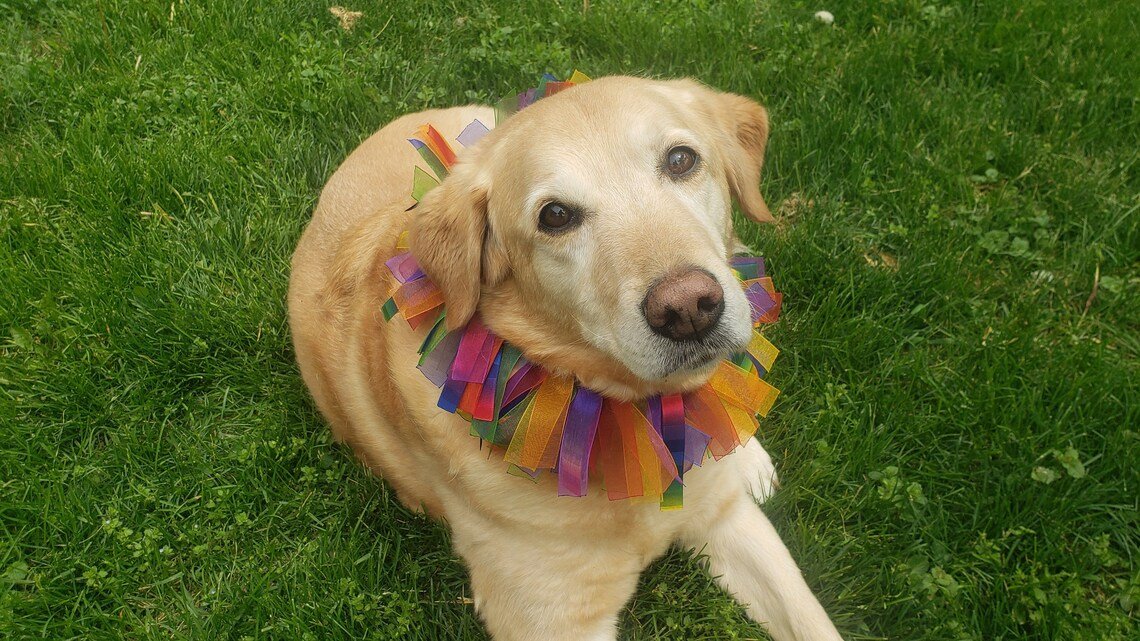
593,230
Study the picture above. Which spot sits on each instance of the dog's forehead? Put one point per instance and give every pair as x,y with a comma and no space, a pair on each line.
616,112
592,130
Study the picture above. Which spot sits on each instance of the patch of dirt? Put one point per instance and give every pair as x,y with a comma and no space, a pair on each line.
347,17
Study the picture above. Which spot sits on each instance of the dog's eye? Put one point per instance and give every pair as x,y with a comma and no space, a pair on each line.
556,217
680,161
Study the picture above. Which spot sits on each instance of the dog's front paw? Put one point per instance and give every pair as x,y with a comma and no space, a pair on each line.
758,470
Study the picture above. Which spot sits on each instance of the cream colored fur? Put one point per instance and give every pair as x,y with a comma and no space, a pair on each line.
545,567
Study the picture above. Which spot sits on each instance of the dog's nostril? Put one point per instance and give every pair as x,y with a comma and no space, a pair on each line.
709,304
684,305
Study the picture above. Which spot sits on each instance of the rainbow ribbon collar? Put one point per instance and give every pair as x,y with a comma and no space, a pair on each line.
542,422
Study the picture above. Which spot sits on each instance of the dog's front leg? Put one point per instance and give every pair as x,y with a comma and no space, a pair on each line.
539,585
751,562
757,469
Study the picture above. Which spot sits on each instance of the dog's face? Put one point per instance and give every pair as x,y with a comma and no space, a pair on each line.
593,229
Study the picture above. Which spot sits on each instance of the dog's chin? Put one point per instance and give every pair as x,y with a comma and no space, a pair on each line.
675,367
690,361
643,364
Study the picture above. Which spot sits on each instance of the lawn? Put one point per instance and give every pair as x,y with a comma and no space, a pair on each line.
957,186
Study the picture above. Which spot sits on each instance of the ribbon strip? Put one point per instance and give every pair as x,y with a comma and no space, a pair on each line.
434,150
672,425
472,133
535,442
578,441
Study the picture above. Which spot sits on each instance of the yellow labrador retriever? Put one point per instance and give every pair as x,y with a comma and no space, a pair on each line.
591,230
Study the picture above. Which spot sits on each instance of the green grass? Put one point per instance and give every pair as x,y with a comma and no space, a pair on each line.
958,436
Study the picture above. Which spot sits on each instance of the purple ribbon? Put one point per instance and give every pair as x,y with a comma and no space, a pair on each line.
526,98
525,378
696,444
577,441
472,133
653,412
759,300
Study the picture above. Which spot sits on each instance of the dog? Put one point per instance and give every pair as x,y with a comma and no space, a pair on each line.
592,230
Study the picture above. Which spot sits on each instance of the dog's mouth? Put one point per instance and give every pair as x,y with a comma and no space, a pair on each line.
696,357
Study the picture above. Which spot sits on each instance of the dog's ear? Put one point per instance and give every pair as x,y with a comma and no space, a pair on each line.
746,123
450,239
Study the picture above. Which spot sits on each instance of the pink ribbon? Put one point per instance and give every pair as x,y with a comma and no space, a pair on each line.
404,267
476,352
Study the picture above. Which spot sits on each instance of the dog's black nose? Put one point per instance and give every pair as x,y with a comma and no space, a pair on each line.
685,305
